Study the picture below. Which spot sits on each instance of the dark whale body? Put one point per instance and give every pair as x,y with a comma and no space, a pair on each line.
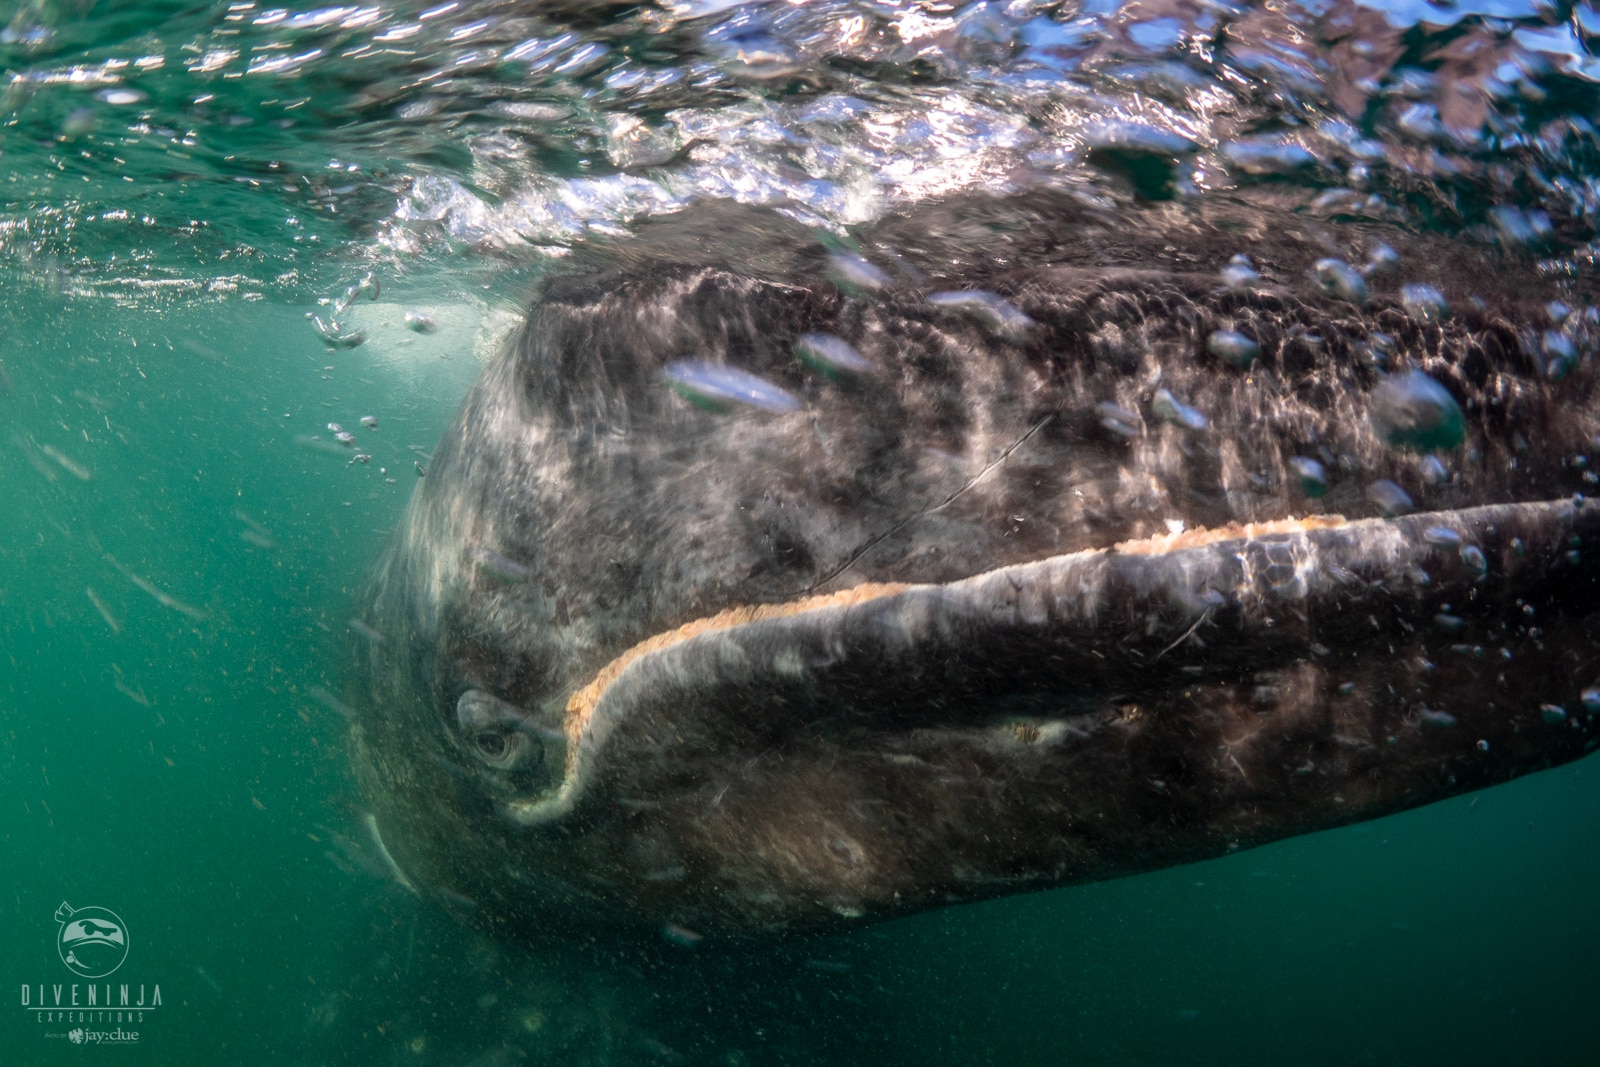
984,616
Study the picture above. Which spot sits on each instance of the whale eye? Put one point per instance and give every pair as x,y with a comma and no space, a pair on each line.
493,744
501,735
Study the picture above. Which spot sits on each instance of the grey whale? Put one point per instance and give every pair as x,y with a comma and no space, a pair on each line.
986,613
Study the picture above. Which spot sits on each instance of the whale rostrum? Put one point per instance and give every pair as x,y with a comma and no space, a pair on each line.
745,597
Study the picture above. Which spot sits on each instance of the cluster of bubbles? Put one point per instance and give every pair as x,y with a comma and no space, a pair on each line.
520,129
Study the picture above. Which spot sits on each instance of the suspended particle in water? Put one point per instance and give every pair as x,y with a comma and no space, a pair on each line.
1431,717
1591,700
369,421
1482,745
420,322
1473,559
1554,714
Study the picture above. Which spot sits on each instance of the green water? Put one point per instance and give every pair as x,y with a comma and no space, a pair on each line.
174,752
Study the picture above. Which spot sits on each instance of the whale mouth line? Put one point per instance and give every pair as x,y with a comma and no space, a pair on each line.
879,655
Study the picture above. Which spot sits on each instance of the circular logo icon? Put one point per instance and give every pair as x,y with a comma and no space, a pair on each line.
93,942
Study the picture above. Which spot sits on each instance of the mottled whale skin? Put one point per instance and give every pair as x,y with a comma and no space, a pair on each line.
976,618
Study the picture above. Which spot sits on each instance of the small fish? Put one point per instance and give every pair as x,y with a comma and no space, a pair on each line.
717,387
35,459
833,356
989,310
164,599
134,693
211,983
854,274
76,470
365,631
1167,408
105,612
1233,348
489,560
331,702
681,936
